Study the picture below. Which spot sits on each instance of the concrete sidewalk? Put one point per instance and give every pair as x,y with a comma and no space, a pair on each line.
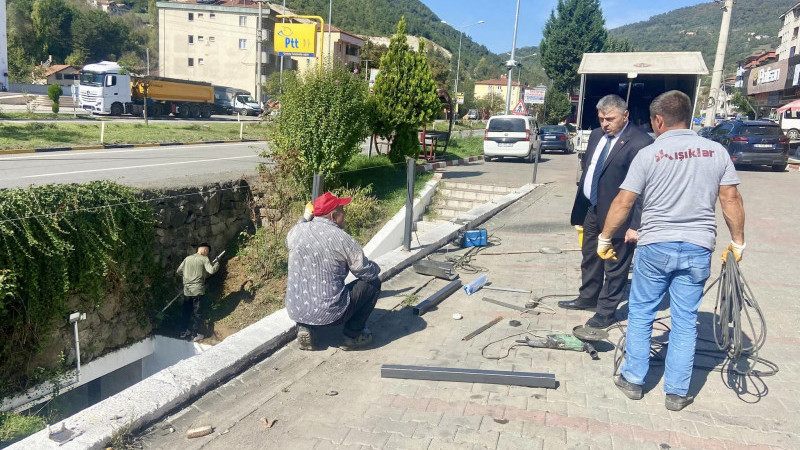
335,399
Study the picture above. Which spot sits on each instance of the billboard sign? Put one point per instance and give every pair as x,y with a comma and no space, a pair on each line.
536,95
768,78
295,39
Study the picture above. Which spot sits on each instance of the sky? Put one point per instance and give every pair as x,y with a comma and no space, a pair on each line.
497,33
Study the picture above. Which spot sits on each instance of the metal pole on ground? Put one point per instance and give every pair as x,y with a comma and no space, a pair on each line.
316,190
536,163
410,167
102,132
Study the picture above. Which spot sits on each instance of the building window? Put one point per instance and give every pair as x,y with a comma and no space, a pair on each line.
191,17
212,16
242,21
211,39
199,38
242,44
59,76
199,15
791,51
191,62
200,61
191,39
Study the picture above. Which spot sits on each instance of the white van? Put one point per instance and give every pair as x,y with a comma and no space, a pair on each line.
512,136
790,124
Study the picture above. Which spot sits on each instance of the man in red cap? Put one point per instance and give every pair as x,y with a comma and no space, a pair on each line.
321,255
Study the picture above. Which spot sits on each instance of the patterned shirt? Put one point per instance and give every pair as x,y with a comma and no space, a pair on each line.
320,257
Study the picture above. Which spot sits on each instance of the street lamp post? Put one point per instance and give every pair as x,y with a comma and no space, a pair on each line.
511,63
458,64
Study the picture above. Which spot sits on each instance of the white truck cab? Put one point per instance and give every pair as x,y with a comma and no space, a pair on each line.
104,88
244,103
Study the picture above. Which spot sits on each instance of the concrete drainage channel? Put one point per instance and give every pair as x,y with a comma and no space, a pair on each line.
168,389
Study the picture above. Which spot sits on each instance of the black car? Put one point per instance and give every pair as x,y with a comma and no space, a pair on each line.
703,132
555,137
753,142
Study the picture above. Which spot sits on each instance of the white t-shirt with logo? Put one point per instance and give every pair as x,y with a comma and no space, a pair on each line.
679,176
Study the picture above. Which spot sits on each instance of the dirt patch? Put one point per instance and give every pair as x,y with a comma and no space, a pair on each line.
239,300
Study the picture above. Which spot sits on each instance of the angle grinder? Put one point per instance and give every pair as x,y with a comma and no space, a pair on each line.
579,341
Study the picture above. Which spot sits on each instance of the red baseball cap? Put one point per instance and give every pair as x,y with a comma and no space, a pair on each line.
327,202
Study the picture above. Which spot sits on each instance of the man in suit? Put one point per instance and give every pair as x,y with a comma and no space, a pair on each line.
609,153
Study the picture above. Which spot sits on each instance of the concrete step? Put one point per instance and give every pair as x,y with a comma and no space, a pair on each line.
465,194
448,212
449,202
487,188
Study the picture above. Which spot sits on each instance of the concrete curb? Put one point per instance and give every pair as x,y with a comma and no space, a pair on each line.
442,164
113,146
390,235
154,397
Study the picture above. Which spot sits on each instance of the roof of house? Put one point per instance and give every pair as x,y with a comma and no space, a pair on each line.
334,29
502,81
55,68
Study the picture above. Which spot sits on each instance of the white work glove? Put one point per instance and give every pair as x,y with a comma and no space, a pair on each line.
605,249
737,249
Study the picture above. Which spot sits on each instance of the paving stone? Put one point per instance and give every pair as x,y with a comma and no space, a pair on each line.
398,442
487,439
405,429
514,442
376,440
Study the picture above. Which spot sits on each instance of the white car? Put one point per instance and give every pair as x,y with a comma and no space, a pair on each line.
511,136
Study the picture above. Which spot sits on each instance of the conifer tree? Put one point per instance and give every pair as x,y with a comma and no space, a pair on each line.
574,28
405,94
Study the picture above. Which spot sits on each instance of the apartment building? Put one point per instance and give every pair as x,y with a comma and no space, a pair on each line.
790,33
498,87
217,42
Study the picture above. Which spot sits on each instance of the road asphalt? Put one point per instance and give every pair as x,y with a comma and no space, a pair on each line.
335,399
148,167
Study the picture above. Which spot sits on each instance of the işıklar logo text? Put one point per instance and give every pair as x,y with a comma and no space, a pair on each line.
688,154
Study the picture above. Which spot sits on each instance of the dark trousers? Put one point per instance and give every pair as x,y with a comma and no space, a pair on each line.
363,297
608,294
191,312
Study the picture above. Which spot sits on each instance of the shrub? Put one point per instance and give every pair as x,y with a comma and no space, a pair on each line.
361,212
54,93
17,426
323,121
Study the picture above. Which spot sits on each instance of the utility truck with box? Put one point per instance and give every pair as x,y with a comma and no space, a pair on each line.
637,77
106,88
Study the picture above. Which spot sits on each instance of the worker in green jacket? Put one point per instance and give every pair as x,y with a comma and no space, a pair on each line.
194,270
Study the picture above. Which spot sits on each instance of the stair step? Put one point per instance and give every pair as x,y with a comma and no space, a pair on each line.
468,195
488,188
424,226
447,202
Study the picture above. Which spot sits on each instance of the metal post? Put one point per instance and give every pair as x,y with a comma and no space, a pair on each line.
410,166
719,62
317,188
330,41
458,69
280,85
258,49
102,131
511,61
77,352
536,162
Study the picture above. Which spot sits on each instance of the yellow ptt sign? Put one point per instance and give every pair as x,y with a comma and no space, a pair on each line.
295,39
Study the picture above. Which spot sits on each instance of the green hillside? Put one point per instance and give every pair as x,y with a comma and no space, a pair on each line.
696,28
380,17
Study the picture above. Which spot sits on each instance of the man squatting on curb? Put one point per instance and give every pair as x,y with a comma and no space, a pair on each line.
680,176
321,254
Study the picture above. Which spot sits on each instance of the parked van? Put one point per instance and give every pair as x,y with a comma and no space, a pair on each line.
790,124
511,136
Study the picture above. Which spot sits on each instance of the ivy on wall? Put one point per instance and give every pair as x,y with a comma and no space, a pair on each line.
59,240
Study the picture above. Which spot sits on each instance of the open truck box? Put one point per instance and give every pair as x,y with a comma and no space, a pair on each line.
644,75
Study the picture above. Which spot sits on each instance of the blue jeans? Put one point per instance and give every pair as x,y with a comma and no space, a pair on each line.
682,268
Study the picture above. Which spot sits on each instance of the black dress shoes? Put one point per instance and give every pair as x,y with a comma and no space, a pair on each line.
578,303
598,321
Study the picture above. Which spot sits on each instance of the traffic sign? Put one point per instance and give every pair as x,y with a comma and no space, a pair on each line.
520,109
460,98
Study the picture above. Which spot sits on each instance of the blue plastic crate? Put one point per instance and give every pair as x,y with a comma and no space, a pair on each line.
475,238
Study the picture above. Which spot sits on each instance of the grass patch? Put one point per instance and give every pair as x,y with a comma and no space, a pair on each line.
47,135
14,427
462,147
388,185
23,115
458,125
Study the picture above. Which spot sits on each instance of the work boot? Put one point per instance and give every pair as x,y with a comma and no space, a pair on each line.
305,340
675,402
354,343
578,303
598,321
632,391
